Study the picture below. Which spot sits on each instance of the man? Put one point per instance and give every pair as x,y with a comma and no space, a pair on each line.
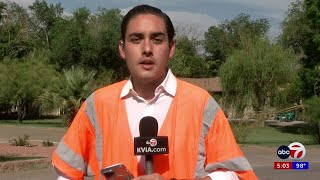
201,143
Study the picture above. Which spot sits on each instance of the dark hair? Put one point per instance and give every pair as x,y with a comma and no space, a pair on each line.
146,9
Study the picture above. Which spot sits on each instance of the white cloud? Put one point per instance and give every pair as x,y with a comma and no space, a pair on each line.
274,31
192,18
196,22
274,4
23,3
269,4
125,11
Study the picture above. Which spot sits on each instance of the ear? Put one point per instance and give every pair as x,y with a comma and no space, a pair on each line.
121,49
172,48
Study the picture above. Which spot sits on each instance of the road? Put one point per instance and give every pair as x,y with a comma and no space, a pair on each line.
36,133
261,158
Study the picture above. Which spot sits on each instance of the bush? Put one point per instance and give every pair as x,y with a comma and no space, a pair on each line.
21,141
47,143
241,130
313,114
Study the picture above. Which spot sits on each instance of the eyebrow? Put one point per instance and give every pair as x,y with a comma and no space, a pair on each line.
154,34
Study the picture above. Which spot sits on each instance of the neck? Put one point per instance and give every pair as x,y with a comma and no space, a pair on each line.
146,89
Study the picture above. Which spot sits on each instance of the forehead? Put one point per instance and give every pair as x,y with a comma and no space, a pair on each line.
146,23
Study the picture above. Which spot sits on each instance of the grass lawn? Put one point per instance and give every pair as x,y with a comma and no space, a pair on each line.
276,136
15,158
36,122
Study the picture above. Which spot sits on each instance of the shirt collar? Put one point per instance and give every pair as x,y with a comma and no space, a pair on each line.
169,84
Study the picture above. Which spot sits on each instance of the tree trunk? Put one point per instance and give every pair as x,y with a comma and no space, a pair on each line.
260,118
21,110
318,131
47,38
70,116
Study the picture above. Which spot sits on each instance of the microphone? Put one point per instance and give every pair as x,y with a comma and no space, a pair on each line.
149,143
148,127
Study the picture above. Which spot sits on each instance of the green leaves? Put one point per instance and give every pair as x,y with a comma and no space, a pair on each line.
186,61
15,30
223,39
44,16
88,40
295,29
257,75
301,31
78,82
23,81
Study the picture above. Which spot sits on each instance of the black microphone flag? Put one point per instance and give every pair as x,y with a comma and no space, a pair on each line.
149,143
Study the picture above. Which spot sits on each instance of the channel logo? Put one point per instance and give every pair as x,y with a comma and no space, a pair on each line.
153,142
295,151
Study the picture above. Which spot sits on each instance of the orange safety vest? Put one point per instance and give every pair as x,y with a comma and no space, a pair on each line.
200,138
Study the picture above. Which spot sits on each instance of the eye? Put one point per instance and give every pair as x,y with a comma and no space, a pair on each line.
157,40
135,40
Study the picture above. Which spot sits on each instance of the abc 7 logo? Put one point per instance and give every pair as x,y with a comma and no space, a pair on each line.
152,142
294,151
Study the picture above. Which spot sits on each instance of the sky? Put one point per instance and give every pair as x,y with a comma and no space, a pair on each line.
199,14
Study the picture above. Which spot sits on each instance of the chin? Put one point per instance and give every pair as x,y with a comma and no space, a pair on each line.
150,79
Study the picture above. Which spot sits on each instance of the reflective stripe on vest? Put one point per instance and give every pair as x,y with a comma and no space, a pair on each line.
236,164
207,121
72,159
92,115
74,156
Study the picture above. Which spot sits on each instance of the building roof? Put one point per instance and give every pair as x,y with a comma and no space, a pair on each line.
209,84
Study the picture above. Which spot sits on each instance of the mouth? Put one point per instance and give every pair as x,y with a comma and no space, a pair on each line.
147,64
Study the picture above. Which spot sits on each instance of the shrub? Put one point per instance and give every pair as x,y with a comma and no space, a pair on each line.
241,130
21,141
313,114
47,143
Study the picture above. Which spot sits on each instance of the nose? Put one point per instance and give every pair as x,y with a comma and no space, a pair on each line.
147,47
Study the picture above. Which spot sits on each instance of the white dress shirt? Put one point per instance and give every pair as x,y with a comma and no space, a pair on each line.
137,108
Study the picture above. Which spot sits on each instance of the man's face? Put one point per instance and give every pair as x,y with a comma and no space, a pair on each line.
146,49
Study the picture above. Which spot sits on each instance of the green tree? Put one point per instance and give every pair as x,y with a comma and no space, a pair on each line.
89,41
300,32
313,15
15,31
69,92
23,81
107,35
313,48
2,8
257,75
71,47
77,88
313,114
186,61
223,39
44,16
295,28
